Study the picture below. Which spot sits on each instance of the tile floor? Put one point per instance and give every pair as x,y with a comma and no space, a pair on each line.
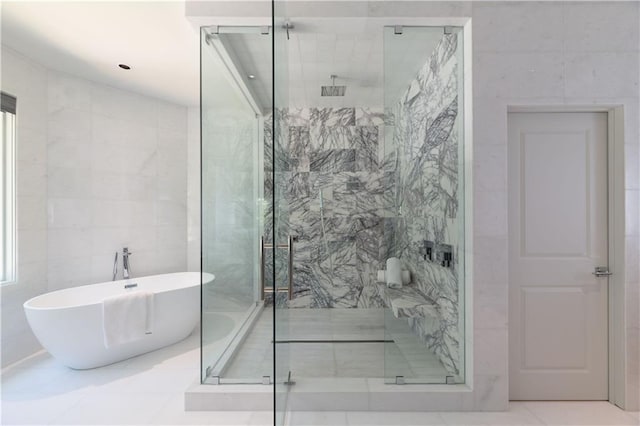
406,356
148,390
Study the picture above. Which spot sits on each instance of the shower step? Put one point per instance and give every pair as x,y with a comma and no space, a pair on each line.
328,395
200,397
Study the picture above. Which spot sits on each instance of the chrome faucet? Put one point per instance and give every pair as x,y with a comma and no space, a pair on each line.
126,272
115,267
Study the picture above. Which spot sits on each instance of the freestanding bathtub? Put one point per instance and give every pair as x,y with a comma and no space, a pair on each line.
68,323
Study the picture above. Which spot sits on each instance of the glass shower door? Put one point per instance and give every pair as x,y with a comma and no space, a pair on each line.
283,260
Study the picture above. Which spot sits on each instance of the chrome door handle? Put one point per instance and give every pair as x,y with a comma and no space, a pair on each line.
602,271
290,249
289,288
261,278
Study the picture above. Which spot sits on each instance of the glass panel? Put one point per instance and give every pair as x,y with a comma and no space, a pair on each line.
424,140
368,167
282,234
235,103
344,155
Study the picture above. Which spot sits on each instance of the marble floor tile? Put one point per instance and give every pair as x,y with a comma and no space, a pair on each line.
151,392
326,418
518,414
260,418
109,409
377,418
173,414
35,409
600,413
149,389
406,357
32,377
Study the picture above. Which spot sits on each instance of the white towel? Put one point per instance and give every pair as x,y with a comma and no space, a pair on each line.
127,317
394,273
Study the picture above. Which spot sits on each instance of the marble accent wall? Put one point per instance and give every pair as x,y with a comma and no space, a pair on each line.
330,189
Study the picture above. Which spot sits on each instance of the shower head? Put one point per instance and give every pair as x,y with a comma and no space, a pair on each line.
333,90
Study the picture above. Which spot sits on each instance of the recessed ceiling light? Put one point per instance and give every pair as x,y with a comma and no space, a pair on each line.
124,66
251,76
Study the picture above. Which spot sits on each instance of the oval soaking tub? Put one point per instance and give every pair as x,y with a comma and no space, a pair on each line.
68,323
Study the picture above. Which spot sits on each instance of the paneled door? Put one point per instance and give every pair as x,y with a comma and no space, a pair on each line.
558,270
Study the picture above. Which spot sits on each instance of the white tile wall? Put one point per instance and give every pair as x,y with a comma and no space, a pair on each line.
98,169
543,54
27,81
193,189
117,177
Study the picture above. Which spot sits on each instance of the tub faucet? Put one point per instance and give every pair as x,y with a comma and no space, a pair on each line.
126,273
115,267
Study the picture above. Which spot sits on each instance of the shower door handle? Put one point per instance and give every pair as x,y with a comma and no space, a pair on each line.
290,252
289,288
261,273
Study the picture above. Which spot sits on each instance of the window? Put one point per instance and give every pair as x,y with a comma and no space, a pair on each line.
8,188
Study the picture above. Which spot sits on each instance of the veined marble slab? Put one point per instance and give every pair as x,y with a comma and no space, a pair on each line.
408,302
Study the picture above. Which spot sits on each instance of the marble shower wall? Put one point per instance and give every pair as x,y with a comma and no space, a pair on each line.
331,190
426,171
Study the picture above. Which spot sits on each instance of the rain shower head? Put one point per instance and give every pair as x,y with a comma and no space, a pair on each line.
333,90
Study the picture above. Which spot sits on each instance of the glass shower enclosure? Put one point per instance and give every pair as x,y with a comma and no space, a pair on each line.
233,205
332,155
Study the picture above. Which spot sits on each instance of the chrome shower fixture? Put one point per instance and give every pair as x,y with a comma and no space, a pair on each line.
288,26
333,90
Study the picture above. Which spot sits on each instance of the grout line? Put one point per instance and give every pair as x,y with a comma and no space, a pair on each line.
54,420
526,407
16,365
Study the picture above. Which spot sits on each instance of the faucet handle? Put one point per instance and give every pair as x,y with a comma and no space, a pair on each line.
126,251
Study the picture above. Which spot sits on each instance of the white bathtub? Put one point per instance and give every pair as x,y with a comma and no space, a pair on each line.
68,323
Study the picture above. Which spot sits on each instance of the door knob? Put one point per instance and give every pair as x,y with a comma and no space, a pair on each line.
602,271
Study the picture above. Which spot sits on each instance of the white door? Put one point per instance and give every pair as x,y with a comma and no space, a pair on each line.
557,237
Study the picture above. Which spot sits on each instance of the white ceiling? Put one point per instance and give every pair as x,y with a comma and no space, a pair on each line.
354,49
90,38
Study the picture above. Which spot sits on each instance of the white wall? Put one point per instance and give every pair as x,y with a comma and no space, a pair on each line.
27,81
98,169
117,178
543,54
193,189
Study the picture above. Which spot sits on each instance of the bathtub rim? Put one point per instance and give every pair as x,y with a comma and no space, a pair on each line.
28,304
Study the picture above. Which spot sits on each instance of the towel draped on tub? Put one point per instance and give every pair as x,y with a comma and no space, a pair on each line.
127,317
